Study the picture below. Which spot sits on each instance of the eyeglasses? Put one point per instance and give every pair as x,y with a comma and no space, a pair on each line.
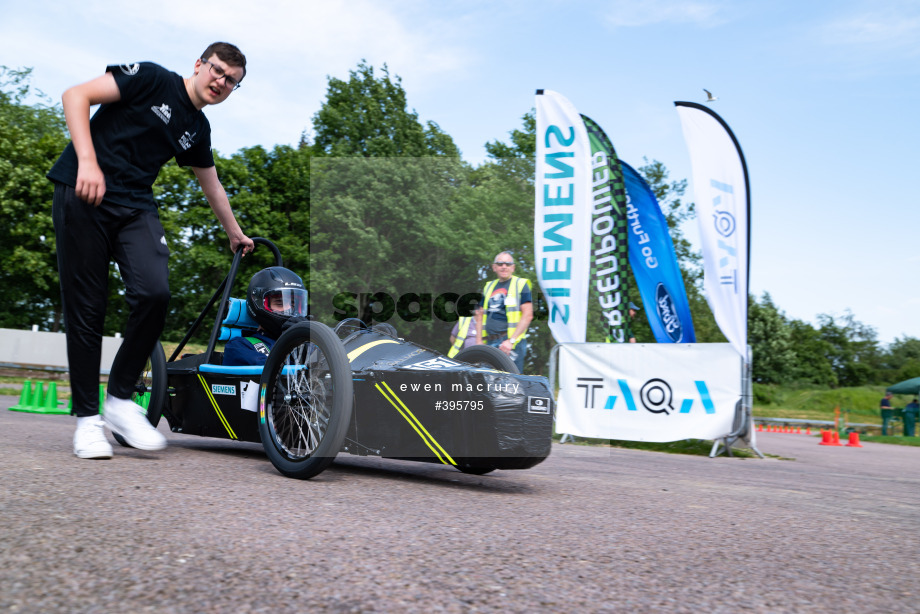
503,263
219,73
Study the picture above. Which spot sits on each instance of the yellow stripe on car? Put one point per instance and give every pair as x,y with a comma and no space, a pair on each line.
216,407
360,350
415,424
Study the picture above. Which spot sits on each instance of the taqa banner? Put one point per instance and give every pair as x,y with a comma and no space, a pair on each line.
648,392
654,263
562,221
722,196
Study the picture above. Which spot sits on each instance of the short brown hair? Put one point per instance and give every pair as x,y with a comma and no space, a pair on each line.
228,53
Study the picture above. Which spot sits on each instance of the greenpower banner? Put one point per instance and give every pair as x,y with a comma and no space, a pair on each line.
609,255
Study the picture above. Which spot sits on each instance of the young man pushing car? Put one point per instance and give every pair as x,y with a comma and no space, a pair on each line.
103,209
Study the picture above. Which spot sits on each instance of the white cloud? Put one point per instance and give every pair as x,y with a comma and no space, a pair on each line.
291,47
892,28
630,13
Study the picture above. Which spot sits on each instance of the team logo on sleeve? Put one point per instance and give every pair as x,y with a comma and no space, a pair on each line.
130,69
187,139
163,112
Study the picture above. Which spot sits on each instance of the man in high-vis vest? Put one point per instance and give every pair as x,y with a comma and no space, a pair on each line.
506,311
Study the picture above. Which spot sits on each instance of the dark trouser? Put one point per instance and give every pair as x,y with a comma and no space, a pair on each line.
88,238
910,423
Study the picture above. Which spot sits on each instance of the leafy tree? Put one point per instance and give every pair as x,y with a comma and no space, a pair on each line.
523,145
383,225
811,365
770,339
31,139
901,361
379,226
853,349
368,116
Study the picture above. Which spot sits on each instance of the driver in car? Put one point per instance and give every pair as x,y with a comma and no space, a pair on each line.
275,295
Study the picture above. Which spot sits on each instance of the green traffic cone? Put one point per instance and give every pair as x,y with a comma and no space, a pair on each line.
25,397
51,401
38,399
101,398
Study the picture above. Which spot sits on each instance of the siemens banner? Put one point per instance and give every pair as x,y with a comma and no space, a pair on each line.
654,263
562,221
648,392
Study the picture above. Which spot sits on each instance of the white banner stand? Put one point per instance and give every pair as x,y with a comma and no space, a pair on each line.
653,392
744,419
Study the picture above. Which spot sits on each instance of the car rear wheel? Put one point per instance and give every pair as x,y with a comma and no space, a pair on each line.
305,403
487,356
150,390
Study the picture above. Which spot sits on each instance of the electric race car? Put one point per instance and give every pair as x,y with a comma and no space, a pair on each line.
357,389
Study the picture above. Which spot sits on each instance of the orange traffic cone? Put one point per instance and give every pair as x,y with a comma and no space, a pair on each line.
854,440
825,438
835,439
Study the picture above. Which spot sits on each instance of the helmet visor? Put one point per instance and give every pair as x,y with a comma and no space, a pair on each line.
287,302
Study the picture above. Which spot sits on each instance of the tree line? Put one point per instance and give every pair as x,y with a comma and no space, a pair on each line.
382,217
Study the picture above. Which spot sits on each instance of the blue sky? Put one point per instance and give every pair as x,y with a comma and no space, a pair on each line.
821,95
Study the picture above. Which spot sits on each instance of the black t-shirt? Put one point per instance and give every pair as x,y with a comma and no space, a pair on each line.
153,122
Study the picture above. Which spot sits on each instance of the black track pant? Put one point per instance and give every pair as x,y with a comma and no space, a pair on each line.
88,238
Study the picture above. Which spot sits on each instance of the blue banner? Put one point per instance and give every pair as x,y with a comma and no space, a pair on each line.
654,263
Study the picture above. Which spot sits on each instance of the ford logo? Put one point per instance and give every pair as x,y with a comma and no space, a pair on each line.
667,314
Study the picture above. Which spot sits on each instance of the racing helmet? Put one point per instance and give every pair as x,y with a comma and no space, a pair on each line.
274,295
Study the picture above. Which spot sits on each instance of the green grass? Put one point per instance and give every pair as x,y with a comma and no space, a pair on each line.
892,439
860,404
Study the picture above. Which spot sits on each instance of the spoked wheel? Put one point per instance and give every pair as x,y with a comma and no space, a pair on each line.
150,390
487,356
306,397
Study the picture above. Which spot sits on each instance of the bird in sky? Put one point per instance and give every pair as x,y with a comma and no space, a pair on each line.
709,96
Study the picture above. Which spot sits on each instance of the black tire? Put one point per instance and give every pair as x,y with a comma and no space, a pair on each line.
152,382
487,356
471,469
386,329
306,397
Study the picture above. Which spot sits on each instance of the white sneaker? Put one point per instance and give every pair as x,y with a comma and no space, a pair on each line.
127,418
89,439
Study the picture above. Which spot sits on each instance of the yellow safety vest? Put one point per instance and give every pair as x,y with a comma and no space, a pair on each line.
462,332
512,302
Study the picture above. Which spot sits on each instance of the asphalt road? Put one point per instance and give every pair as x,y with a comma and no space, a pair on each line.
210,526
